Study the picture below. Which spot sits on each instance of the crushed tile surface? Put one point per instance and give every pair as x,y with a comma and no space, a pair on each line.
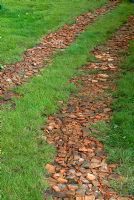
80,170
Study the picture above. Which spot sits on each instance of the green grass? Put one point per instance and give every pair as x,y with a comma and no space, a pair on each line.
22,23
24,152
122,127
119,135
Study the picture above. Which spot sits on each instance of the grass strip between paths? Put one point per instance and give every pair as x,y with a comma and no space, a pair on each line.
24,151
23,23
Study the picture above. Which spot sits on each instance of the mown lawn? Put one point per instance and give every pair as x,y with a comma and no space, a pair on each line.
22,23
24,150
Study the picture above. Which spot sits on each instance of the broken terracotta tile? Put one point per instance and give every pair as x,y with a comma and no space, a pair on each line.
81,169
